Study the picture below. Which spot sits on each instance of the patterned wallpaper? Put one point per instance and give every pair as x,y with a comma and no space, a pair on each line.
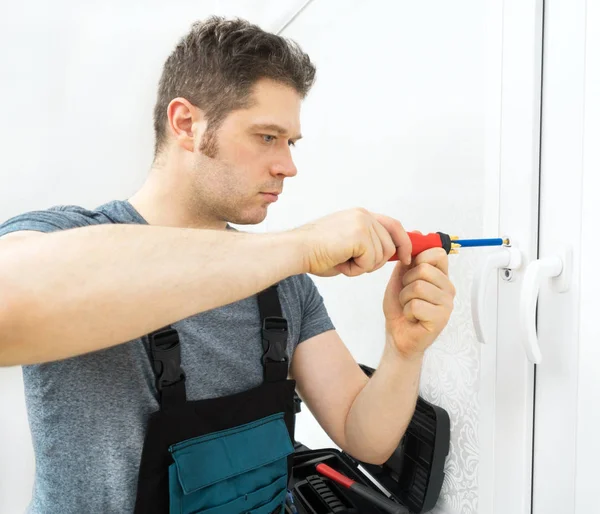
451,380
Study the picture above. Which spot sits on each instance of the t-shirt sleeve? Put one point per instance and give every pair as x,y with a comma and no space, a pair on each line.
61,217
315,319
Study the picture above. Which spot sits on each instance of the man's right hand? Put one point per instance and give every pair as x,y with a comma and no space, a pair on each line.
352,242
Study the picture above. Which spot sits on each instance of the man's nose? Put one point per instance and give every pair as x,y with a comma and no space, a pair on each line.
284,165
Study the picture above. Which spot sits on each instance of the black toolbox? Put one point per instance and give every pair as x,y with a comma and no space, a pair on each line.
412,476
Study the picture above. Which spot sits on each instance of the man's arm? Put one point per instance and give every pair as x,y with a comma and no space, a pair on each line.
365,417
368,417
71,292
67,293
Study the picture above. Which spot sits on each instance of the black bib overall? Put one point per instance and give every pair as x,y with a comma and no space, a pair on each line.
227,455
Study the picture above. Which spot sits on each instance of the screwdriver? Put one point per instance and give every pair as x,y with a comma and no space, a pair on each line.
422,242
362,490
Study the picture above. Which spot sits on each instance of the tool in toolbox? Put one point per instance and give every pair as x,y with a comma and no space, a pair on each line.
411,479
421,242
290,503
366,492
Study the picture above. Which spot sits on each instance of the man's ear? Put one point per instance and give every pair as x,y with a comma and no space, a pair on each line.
187,123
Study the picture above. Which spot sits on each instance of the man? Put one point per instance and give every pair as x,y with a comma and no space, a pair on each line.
81,289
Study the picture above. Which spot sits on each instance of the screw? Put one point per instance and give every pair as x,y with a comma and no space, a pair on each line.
507,274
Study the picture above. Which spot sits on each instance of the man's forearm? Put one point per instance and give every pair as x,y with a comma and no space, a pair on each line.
383,409
72,292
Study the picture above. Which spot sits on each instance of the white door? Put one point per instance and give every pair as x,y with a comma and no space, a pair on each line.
513,154
430,112
566,448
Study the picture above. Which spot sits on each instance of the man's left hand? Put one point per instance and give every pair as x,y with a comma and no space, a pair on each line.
418,302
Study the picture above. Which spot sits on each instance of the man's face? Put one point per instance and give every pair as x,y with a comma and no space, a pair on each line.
240,168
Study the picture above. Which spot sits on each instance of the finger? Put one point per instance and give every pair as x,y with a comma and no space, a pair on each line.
377,232
369,257
424,291
388,248
431,274
435,256
399,236
374,256
350,268
421,311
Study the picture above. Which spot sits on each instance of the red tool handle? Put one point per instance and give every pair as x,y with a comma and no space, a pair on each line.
331,473
362,490
422,242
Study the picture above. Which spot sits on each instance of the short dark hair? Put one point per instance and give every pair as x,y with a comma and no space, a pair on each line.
216,64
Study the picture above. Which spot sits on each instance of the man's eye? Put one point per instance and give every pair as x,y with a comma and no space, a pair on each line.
268,139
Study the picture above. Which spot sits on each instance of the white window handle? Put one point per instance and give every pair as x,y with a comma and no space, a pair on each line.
558,268
509,258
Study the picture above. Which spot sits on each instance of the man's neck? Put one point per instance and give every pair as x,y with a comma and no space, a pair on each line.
161,202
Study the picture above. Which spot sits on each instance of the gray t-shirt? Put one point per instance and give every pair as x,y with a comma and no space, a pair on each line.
88,414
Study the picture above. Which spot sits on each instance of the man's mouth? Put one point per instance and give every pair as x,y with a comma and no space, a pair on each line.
271,196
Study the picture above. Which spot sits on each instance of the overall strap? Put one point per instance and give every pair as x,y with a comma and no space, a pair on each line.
274,335
165,353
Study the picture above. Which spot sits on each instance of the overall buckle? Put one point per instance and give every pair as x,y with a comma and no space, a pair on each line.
166,358
274,339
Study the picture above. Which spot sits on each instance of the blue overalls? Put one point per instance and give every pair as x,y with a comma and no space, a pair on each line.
228,455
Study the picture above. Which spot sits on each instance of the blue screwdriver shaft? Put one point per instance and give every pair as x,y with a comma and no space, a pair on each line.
479,242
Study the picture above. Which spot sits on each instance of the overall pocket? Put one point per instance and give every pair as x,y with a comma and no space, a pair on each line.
238,470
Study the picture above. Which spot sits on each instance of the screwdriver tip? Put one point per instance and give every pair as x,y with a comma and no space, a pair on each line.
454,238
453,252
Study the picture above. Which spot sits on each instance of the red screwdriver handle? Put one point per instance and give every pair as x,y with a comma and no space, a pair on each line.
422,242
331,473
362,490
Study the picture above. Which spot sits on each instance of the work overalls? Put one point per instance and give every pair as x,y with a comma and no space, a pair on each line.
228,455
